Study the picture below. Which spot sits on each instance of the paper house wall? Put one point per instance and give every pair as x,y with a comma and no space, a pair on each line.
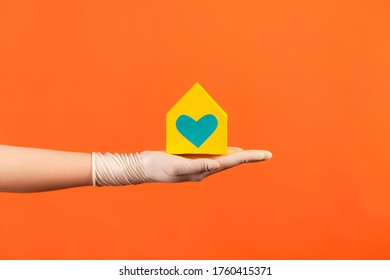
196,124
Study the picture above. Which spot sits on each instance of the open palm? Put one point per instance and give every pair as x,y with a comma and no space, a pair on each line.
159,166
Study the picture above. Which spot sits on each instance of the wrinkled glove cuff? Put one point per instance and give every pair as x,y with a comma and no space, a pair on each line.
117,169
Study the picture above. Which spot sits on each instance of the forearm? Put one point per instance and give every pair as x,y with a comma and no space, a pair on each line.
33,170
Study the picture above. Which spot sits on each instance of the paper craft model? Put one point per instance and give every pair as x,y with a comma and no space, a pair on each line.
196,124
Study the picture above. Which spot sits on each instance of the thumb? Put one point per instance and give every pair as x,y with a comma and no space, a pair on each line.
199,165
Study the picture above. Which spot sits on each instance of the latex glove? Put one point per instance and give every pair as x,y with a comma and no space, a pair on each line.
159,166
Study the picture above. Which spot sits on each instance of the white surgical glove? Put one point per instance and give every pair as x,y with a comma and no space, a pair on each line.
158,166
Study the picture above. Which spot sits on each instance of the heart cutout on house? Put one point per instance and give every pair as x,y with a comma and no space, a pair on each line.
197,132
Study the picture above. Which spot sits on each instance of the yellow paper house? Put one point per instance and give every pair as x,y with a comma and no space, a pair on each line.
196,124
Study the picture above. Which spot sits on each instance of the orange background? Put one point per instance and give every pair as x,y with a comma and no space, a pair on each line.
308,80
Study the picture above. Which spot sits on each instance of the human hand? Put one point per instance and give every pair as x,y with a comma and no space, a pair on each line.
159,166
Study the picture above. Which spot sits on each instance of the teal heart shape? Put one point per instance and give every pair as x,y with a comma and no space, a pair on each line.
198,131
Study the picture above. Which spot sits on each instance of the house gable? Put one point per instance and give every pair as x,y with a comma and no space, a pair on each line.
197,97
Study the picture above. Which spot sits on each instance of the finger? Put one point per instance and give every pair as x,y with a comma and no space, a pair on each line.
195,166
232,150
230,160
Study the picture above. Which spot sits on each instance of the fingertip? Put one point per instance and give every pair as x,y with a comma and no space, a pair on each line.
260,155
268,155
